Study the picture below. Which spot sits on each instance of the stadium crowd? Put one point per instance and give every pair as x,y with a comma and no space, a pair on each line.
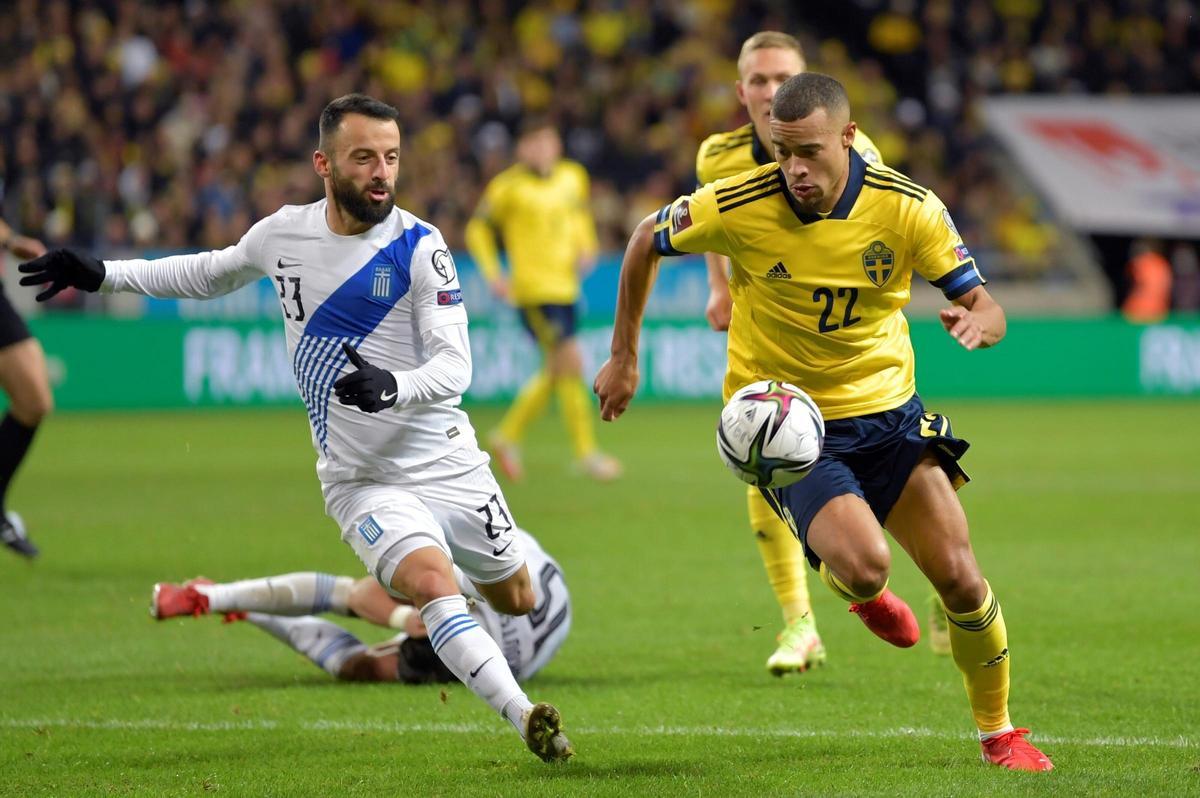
127,125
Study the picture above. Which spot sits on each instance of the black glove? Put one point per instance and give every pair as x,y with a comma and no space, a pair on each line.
63,268
370,388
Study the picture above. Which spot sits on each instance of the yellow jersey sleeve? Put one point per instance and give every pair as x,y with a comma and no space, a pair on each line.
480,233
691,224
583,221
492,207
704,171
939,254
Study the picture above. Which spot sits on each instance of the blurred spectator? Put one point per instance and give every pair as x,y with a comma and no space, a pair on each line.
131,123
1185,264
1149,297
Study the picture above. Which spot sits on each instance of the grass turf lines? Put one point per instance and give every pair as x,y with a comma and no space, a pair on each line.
1083,516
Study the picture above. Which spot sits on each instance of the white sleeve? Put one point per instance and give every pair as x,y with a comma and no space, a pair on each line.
445,375
200,276
436,294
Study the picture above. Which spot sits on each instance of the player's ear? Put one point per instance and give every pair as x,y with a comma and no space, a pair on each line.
848,134
321,163
740,90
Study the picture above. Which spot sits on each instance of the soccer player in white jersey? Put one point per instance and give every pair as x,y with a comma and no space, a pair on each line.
271,603
362,282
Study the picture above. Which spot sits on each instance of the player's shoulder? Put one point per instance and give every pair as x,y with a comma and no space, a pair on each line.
295,215
287,223
720,152
417,230
509,175
895,195
866,148
727,140
571,175
744,188
896,185
572,169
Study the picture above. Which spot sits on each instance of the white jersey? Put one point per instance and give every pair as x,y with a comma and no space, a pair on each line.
530,641
392,292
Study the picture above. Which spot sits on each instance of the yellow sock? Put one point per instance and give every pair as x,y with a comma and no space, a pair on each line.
979,641
529,404
782,557
576,409
842,591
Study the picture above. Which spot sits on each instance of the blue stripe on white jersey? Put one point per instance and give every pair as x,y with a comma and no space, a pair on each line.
349,315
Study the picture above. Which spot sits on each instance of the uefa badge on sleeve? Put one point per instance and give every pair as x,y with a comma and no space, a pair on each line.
949,222
443,265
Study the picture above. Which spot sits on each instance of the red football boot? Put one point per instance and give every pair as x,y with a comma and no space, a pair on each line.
890,618
171,600
1011,750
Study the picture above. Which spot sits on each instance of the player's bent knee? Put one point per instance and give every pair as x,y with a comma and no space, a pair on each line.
423,585
868,573
960,584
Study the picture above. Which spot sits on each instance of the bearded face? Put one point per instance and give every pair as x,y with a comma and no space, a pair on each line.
369,200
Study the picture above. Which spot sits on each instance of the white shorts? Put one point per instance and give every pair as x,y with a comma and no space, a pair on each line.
464,514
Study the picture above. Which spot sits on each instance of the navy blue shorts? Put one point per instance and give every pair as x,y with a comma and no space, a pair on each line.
872,457
549,325
12,326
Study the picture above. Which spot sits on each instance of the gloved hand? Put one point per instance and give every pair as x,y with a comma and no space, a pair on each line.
63,268
370,389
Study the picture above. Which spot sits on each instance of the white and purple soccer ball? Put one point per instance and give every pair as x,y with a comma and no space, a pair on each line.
770,434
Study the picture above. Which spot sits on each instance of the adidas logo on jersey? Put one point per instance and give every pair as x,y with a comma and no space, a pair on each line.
779,272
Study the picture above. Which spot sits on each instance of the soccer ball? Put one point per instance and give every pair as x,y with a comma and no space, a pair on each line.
770,434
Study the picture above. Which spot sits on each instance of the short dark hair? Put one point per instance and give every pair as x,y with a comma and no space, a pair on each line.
333,114
802,94
535,123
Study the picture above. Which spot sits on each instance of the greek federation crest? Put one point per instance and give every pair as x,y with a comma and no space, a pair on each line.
381,282
878,262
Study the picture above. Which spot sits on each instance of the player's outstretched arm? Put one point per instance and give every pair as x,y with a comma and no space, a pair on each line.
719,308
61,269
369,601
23,247
617,380
976,320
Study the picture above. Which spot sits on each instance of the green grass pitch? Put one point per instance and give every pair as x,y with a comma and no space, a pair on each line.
1084,517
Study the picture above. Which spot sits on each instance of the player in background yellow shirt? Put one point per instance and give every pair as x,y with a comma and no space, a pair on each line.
824,247
766,60
539,209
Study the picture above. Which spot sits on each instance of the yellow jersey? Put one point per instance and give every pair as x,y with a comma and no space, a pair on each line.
735,151
545,225
817,298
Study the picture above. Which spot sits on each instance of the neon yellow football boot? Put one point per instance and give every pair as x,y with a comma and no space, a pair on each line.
800,648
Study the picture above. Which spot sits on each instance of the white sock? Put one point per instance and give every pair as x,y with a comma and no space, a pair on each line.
989,735
473,656
304,593
326,644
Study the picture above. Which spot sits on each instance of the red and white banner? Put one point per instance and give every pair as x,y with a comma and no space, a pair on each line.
1128,166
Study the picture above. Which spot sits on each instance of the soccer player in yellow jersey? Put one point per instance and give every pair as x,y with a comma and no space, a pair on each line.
539,208
824,247
767,59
